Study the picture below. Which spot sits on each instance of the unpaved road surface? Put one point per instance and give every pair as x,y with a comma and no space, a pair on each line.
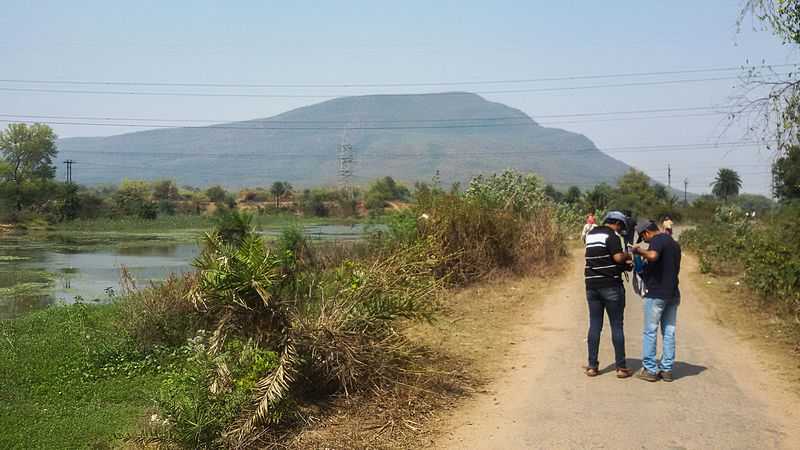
725,395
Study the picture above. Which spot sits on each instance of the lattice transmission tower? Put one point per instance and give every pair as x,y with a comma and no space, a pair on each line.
345,171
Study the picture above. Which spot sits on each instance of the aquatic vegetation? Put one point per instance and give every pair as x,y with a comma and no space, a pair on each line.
9,258
26,289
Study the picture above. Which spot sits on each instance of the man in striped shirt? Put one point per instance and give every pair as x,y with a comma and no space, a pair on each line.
606,259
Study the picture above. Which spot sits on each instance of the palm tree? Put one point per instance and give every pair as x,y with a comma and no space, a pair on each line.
279,189
726,184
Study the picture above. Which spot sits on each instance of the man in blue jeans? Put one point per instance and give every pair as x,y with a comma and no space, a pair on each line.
661,301
605,261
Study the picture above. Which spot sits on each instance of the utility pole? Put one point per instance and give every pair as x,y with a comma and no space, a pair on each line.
685,187
69,164
669,176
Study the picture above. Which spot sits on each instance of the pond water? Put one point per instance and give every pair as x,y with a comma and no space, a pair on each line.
40,271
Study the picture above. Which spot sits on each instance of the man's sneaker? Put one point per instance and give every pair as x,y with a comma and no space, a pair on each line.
666,375
646,375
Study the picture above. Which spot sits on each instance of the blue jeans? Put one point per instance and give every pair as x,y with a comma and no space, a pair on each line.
658,311
611,301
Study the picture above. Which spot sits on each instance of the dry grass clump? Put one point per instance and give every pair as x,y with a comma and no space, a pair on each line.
158,314
541,241
388,414
473,239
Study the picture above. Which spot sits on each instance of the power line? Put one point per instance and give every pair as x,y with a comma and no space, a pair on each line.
267,128
393,84
327,96
465,119
432,120
213,125
242,125
487,154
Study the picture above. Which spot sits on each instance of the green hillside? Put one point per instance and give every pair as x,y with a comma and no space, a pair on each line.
407,136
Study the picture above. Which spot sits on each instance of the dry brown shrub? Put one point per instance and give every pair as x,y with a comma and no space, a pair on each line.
474,240
388,414
540,242
330,254
159,314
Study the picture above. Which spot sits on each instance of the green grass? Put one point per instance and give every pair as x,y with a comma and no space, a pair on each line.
55,391
133,224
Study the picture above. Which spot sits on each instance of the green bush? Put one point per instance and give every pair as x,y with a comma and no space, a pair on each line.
772,264
398,227
764,251
193,413
383,190
720,247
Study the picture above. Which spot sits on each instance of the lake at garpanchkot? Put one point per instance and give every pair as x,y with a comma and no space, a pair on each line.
37,272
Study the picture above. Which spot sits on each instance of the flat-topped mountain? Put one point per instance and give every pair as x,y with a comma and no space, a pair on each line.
409,137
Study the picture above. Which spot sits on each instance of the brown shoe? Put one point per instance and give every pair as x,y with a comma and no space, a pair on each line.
623,372
591,371
645,375
666,375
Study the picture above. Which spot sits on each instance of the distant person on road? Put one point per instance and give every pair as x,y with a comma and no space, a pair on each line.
629,229
586,229
588,226
605,261
661,300
667,225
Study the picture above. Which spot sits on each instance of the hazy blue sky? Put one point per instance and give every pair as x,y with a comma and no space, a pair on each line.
410,41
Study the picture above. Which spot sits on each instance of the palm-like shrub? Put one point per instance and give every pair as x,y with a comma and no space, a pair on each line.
333,331
232,226
241,285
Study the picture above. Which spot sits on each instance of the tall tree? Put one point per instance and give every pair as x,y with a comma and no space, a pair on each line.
786,174
28,152
280,189
573,195
165,190
774,101
726,184
552,193
598,198
216,194
634,192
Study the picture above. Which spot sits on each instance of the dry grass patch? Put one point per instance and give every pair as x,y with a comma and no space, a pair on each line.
760,323
463,351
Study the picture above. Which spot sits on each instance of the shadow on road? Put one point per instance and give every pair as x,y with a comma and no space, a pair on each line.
680,369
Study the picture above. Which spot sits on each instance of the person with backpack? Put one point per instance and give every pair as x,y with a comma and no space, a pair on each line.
661,299
606,260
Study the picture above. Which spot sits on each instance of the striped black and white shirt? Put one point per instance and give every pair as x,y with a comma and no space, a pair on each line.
601,270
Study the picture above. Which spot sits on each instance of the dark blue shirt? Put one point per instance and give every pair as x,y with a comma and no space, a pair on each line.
661,276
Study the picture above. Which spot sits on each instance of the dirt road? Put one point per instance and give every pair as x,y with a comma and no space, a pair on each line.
725,396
